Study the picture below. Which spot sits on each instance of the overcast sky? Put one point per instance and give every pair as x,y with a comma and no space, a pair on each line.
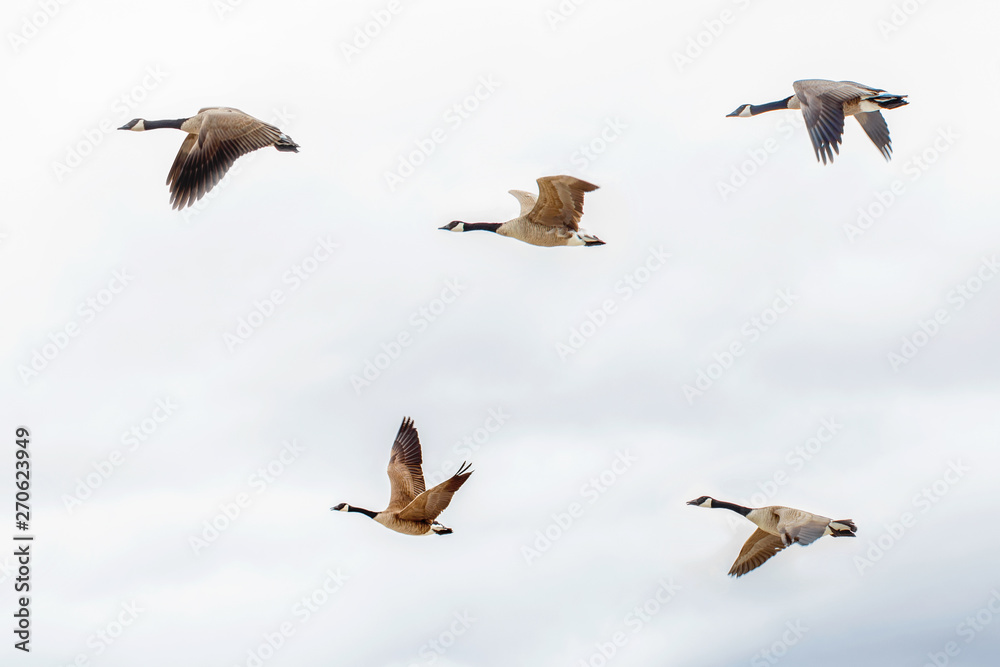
195,382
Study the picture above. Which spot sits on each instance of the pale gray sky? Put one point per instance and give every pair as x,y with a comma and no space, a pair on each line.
149,423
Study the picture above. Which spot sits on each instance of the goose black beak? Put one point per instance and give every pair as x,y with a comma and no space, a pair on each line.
693,502
735,113
124,127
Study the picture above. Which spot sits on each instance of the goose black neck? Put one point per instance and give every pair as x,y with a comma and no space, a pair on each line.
483,226
739,509
770,106
157,124
362,510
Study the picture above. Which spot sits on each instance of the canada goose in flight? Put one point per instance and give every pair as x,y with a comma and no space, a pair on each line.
824,105
777,528
216,137
550,220
412,509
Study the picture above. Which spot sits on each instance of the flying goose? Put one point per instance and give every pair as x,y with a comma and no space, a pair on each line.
412,509
777,528
216,137
824,105
550,220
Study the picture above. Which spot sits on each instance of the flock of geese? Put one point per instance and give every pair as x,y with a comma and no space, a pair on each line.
217,136
414,509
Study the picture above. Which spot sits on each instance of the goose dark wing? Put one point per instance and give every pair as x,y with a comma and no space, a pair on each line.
861,86
756,551
204,158
175,169
429,504
406,480
873,123
560,201
822,105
